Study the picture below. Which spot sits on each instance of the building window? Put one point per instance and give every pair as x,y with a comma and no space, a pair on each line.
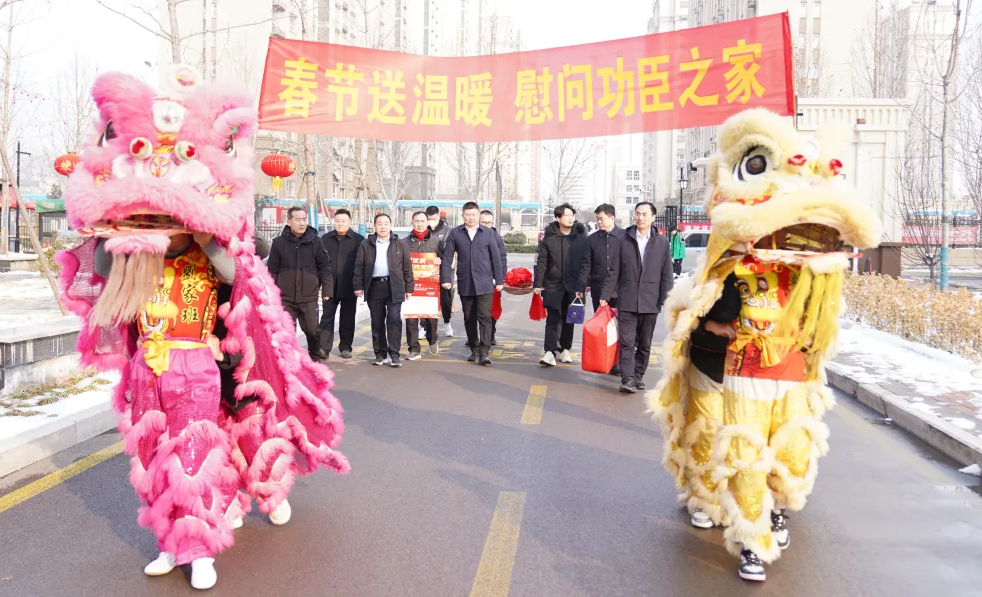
802,26
817,26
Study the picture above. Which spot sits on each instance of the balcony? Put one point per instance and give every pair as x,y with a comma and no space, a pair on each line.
277,31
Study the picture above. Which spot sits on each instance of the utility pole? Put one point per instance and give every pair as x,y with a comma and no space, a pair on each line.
309,176
424,161
5,209
19,199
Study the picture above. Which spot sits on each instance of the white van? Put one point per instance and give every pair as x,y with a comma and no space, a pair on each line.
695,246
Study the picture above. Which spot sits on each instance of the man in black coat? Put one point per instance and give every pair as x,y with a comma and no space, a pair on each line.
384,274
641,276
441,230
301,267
559,259
602,246
422,240
487,219
478,275
342,245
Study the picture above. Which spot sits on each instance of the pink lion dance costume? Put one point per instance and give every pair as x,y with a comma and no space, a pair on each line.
160,167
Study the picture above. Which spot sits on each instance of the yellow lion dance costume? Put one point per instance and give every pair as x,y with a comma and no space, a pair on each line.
744,387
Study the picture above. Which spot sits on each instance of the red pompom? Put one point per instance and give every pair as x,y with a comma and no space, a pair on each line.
518,277
797,160
836,167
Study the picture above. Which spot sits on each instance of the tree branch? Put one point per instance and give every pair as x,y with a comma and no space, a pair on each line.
229,28
160,34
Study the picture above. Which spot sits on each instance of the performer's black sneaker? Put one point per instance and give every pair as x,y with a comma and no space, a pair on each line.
629,387
751,567
345,354
779,529
639,385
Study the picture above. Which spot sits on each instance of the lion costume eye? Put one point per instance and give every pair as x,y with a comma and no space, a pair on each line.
755,162
229,146
107,135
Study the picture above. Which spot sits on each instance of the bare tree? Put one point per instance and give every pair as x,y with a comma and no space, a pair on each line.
968,128
880,56
811,77
394,161
14,113
71,108
143,14
919,202
568,161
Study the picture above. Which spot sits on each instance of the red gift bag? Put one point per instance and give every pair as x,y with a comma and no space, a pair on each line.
600,348
537,312
496,305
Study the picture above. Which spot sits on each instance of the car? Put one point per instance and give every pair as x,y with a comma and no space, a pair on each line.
695,246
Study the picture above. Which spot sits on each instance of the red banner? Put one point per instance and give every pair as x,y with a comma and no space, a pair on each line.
689,78
960,236
425,302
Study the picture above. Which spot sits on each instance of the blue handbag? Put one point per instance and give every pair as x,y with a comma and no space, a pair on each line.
576,312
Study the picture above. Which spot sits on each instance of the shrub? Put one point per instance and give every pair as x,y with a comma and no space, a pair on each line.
949,320
59,243
520,248
515,237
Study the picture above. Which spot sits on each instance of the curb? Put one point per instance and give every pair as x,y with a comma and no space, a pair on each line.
34,445
954,442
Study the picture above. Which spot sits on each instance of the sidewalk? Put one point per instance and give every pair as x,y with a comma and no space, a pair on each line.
929,393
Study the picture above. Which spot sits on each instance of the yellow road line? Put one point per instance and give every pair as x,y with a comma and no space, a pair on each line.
493,577
47,482
532,415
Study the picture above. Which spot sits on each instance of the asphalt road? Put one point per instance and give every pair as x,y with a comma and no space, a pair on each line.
451,494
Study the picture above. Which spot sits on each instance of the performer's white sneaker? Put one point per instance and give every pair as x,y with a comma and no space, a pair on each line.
701,520
750,567
448,330
779,529
281,514
548,359
565,357
164,563
236,523
203,575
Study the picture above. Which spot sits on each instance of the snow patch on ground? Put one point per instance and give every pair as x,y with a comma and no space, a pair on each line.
972,469
26,298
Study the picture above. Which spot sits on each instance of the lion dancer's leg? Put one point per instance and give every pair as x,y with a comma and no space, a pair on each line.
705,413
742,461
181,461
265,464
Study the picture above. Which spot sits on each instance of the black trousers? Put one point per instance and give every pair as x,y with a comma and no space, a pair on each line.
477,320
677,266
306,314
635,331
559,334
446,303
386,320
412,333
346,326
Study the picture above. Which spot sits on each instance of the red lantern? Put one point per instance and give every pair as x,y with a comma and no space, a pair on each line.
278,166
65,164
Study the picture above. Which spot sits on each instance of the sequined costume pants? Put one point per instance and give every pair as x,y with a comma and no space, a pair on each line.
764,457
180,456
703,417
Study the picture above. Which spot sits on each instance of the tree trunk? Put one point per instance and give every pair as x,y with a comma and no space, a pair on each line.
175,38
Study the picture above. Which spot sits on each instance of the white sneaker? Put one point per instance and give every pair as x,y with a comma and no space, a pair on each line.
548,359
448,330
236,523
164,563
751,567
281,514
565,357
203,575
434,348
413,356
701,520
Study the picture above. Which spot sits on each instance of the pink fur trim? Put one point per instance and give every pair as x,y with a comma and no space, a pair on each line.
138,243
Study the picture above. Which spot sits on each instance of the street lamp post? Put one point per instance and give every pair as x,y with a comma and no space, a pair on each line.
21,198
683,182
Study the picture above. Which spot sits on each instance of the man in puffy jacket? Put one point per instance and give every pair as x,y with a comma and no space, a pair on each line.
422,240
384,274
301,267
342,245
601,248
487,219
558,262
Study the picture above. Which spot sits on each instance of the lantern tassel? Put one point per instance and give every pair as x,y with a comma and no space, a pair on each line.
277,185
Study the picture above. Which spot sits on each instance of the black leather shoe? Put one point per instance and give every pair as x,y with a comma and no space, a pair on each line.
473,356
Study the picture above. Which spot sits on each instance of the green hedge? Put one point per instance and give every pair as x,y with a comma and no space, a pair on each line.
520,248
